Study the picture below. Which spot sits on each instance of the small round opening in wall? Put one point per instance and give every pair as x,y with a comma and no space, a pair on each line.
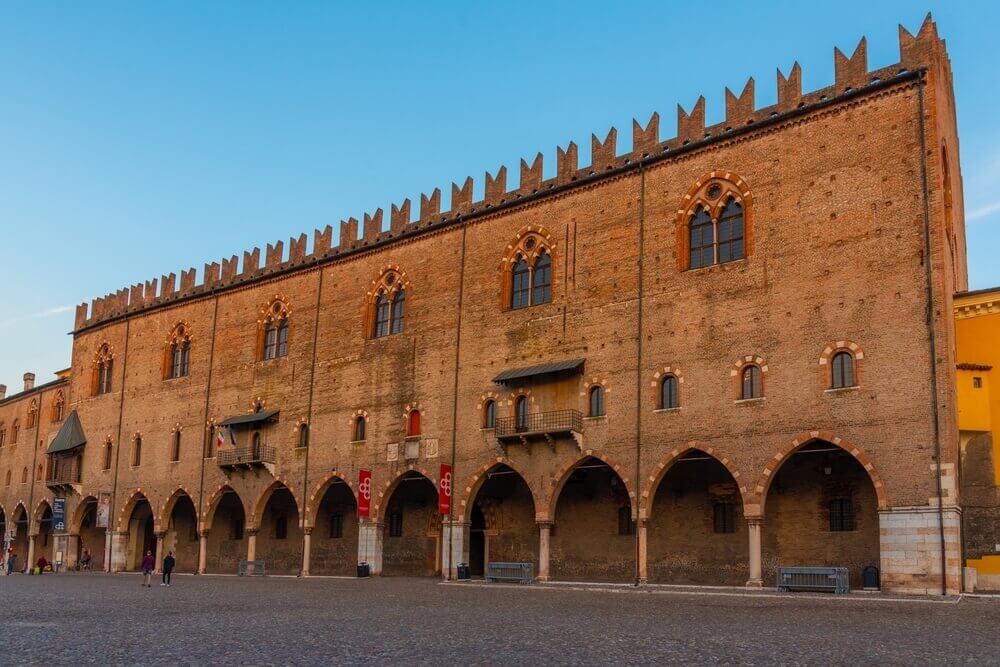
529,244
714,191
276,308
390,279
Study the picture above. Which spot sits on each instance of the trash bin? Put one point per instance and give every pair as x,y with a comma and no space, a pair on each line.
364,570
870,579
463,571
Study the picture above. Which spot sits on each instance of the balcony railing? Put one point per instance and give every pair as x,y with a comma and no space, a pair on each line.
245,456
550,423
63,473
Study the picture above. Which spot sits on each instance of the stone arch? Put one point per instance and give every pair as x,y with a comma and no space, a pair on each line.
137,496
207,515
253,521
558,480
76,519
168,507
826,361
18,516
803,439
477,480
316,497
386,493
661,469
36,516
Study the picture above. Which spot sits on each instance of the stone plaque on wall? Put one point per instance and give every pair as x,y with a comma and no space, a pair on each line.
392,451
431,448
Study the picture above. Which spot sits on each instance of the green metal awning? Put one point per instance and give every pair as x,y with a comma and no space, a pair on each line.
567,366
250,420
70,435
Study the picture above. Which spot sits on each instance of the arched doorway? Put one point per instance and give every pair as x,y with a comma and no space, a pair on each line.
593,535
140,537
334,542
91,537
227,539
821,509
19,521
411,528
43,540
502,525
696,530
181,536
279,539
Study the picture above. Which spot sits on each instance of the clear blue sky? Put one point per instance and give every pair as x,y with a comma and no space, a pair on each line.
138,139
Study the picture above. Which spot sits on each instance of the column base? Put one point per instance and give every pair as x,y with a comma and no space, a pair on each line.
755,583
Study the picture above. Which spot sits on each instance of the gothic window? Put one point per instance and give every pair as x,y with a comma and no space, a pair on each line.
175,446
272,339
841,515
32,414
519,290
3,435
527,271
714,222
843,370
521,413
103,367
597,401
724,517
15,429
489,414
541,279
236,529
107,455
413,423
751,386
398,312
386,309
177,352
7,481
24,475
303,435
668,393
58,406
137,451
281,527
359,428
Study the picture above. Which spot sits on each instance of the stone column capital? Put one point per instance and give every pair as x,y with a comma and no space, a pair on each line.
308,530
545,523
755,520
203,532
251,532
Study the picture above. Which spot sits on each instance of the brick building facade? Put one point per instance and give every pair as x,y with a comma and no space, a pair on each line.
687,363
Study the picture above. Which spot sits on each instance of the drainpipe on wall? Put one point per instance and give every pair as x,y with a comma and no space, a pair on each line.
309,410
208,394
638,374
454,411
931,335
108,546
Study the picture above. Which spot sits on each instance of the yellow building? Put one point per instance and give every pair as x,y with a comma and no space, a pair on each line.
977,327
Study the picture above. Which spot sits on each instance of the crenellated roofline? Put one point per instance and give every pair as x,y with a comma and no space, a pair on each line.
852,80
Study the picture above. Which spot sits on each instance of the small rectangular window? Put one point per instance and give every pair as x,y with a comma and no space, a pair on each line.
626,526
841,515
724,518
396,524
336,525
236,529
977,383
281,527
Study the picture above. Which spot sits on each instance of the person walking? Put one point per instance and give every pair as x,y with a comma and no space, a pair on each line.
11,560
168,567
148,563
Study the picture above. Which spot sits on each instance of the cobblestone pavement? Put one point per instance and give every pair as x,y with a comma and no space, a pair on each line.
111,619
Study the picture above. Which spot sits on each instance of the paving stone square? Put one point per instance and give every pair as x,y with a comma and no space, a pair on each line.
111,619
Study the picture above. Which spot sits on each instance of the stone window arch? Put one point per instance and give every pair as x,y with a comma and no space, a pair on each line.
749,375
595,397
177,352
24,475
32,414
3,434
385,303
840,365
715,221
528,269
273,330
15,430
103,368
359,426
108,451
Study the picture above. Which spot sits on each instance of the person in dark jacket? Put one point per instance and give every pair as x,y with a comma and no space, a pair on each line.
148,563
168,567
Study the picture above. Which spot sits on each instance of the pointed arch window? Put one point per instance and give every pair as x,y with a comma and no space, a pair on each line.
103,367
7,482
386,310
528,270
15,430
177,353
3,435
490,414
273,335
24,475
107,454
32,414
303,435
58,406
842,369
175,446
413,423
669,398
137,451
521,413
714,222
359,428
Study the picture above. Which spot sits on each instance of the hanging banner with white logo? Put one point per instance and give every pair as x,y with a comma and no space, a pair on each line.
444,490
103,509
364,492
58,515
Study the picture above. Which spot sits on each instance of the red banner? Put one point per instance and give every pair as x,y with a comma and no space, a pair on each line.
444,490
364,492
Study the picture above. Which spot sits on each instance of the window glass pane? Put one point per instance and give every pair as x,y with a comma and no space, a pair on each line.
270,341
843,370
521,409
519,286
283,338
359,428
489,414
701,239
597,401
731,232
542,280
751,382
668,392
398,311
381,316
